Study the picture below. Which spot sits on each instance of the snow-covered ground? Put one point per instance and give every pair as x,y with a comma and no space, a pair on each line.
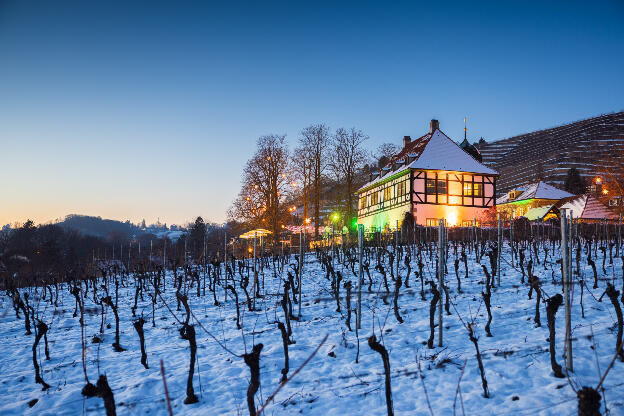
516,358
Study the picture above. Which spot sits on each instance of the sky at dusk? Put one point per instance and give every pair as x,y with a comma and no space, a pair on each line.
130,110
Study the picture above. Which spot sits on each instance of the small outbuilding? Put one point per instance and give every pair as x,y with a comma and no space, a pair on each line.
586,208
522,200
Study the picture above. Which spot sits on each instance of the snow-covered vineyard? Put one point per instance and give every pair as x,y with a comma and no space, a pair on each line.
345,376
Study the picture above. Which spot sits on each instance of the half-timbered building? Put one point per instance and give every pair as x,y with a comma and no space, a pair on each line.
431,178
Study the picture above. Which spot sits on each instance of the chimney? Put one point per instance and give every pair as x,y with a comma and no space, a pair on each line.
435,125
406,140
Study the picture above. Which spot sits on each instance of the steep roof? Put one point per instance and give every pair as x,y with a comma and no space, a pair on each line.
413,149
433,151
442,153
537,190
587,207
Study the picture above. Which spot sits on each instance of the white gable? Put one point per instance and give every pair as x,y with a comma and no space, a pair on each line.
543,190
576,206
442,153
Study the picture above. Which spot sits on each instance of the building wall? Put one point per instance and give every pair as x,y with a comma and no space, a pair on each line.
461,189
393,201
518,209
454,215
456,197
385,218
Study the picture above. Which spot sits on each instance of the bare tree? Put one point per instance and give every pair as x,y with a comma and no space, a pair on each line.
317,136
265,184
303,162
385,152
347,159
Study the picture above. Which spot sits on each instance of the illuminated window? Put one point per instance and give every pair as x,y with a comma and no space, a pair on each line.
467,189
430,187
466,223
432,222
478,189
363,202
401,189
374,198
441,187
387,193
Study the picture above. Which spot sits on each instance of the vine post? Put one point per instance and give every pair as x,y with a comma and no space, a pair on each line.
360,275
440,276
565,252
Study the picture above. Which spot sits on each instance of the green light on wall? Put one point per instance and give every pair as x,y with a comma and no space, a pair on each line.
523,202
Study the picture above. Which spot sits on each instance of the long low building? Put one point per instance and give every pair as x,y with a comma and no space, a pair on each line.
523,199
431,178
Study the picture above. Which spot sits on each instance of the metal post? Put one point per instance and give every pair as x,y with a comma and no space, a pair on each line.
396,249
360,274
566,283
474,241
255,271
499,244
511,223
224,261
300,269
440,277
619,236
570,245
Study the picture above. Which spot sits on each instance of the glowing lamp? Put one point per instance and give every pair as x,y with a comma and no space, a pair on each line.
452,220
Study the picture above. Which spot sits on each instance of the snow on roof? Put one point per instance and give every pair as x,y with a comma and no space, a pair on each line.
542,190
538,213
588,207
442,153
537,190
434,151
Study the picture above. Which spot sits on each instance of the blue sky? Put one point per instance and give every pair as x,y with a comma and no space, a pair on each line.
133,110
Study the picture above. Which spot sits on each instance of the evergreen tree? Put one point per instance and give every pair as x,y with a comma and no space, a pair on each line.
574,183
196,236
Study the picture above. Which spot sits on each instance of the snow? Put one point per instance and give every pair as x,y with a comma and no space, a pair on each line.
538,213
171,235
542,190
588,206
516,358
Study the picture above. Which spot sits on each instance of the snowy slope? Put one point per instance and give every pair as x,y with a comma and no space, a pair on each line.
516,359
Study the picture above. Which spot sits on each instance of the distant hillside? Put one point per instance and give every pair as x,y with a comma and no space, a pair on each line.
97,226
594,146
